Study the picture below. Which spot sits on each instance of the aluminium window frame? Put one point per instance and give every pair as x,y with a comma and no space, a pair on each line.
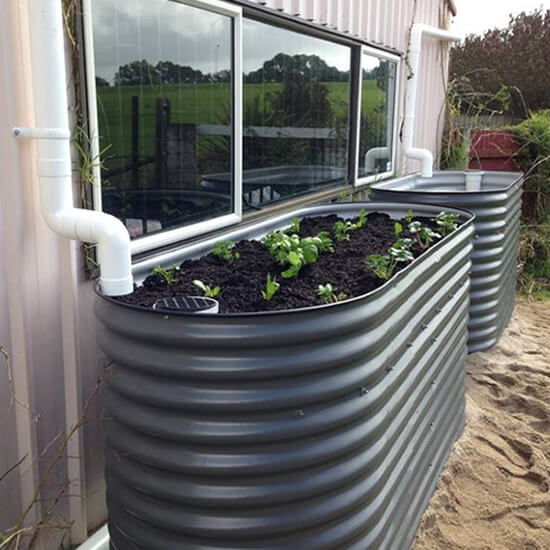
385,56
149,243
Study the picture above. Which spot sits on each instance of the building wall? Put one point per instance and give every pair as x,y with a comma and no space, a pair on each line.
46,316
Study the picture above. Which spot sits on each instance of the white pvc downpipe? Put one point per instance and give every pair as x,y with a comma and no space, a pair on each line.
417,32
54,154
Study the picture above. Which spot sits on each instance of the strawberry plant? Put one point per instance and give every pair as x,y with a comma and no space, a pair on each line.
329,295
341,230
294,226
446,222
208,291
271,288
224,251
169,275
424,235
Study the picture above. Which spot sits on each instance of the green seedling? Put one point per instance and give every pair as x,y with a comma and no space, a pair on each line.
341,230
294,226
446,222
383,265
169,275
295,252
409,216
398,229
328,294
224,251
423,234
208,291
271,288
362,219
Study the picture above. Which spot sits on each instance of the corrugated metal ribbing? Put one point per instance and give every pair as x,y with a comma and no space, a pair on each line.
320,428
497,208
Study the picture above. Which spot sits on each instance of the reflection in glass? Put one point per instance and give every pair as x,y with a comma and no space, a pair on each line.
377,112
163,78
296,111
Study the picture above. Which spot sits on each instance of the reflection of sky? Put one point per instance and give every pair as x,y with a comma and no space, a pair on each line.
131,30
262,42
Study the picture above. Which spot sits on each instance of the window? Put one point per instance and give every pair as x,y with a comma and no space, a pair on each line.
198,114
296,113
166,79
376,115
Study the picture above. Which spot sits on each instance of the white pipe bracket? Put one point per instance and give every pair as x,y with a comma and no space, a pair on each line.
41,133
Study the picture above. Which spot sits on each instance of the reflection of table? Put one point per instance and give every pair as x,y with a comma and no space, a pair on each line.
146,211
264,185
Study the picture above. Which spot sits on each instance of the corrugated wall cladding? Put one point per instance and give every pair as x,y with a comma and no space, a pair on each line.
387,23
497,208
319,428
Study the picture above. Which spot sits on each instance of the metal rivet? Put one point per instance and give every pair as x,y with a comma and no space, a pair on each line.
432,424
451,296
299,413
424,326
410,344
363,390
438,310
389,369
434,339
434,382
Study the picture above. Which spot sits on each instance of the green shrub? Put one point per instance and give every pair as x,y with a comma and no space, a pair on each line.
534,259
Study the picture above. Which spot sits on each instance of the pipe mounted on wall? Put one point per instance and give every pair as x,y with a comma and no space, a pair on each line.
415,49
54,154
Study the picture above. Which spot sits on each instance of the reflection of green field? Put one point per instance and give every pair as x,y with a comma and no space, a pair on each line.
193,104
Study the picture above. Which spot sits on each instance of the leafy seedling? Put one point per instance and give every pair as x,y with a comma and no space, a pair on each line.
224,251
208,291
383,265
398,229
423,234
169,275
292,251
409,216
341,230
362,219
446,222
328,294
271,288
294,226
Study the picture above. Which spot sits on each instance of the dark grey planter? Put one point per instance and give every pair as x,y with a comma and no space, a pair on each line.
497,209
318,428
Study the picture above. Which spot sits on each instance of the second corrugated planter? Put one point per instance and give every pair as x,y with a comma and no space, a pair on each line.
319,428
495,199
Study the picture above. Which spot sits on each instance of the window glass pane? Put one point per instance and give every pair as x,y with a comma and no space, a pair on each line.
164,92
377,112
296,104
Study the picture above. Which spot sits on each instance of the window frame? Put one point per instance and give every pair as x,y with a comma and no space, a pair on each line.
385,56
161,239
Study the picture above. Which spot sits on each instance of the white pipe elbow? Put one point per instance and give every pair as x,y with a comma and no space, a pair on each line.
374,154
425,156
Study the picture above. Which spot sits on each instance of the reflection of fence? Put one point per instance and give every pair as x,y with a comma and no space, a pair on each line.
175,158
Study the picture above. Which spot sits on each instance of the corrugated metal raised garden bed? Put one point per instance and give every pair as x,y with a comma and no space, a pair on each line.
495,200
319,427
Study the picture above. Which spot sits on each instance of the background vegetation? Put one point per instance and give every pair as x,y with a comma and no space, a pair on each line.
500,81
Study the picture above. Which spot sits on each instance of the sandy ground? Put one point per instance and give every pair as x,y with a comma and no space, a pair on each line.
494,492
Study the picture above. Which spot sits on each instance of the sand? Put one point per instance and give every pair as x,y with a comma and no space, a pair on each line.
494,492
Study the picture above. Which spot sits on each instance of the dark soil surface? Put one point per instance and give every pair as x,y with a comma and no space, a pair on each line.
242,280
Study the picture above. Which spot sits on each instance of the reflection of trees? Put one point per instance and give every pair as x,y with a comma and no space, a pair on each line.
374,127
164,72
310,67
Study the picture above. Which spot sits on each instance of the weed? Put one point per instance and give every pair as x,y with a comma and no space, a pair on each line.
329,295
224,251
169,275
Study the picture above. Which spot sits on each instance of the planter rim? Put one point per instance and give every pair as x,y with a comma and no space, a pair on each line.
467,219
389,186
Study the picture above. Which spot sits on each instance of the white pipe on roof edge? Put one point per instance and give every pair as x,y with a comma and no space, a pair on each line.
54,154
418,31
